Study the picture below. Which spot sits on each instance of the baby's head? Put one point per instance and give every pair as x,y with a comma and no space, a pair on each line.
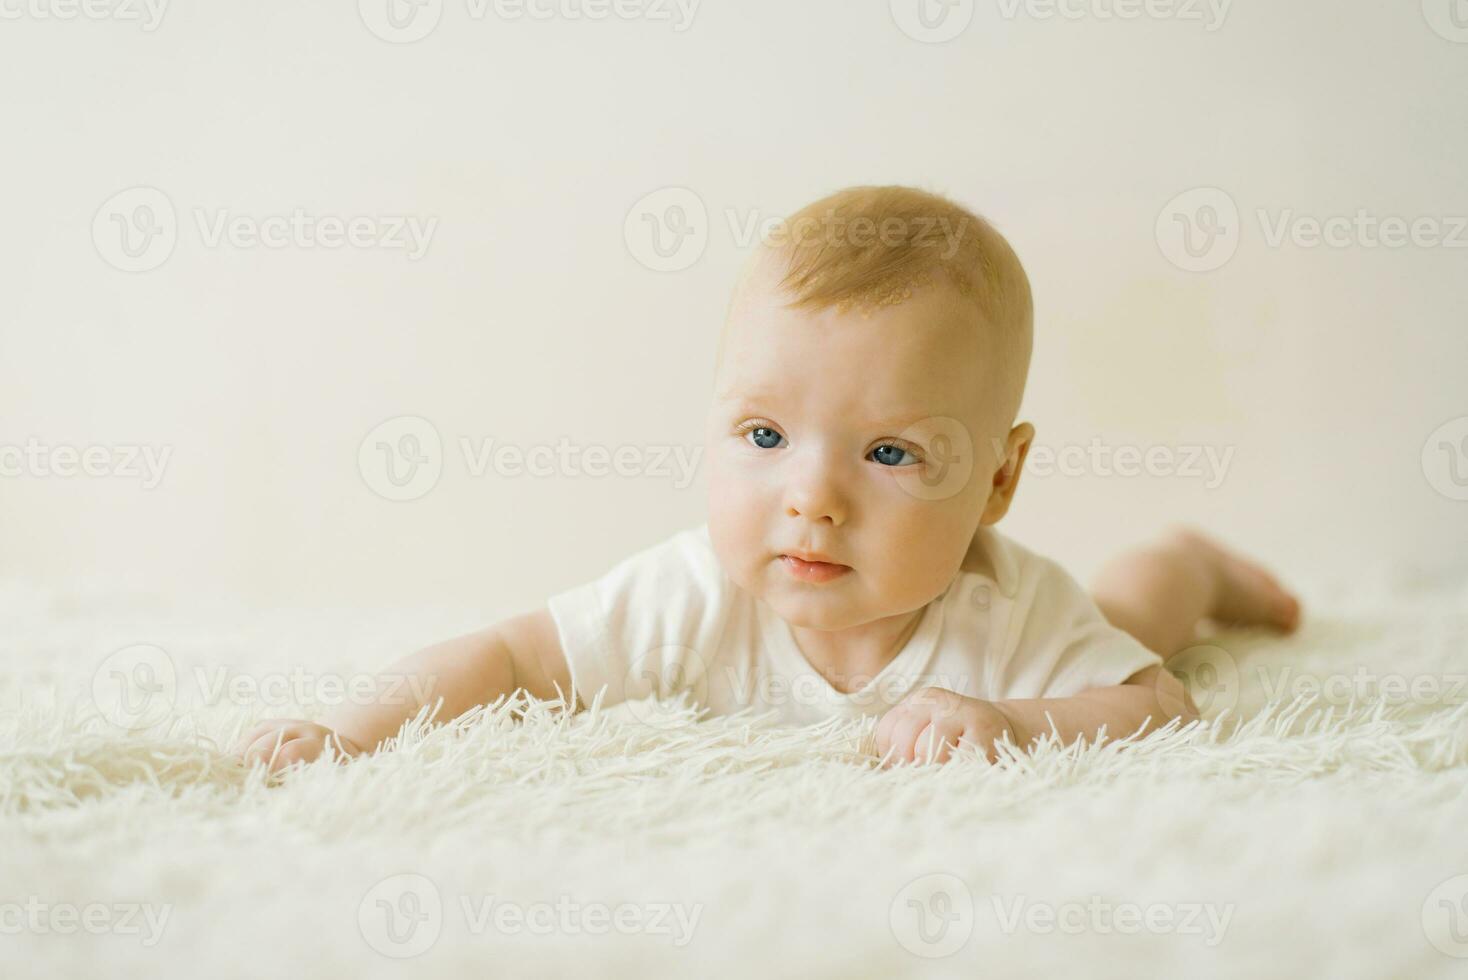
868,379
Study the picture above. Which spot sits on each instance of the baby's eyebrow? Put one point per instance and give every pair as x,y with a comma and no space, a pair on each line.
762,397
890,422
760,393
748,400
899,421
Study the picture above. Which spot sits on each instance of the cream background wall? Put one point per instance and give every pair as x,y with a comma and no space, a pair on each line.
526,145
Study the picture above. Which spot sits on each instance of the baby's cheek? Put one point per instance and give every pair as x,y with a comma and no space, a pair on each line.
726,514
737,538
929,543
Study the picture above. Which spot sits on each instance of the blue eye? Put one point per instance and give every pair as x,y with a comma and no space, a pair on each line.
893,455
765,437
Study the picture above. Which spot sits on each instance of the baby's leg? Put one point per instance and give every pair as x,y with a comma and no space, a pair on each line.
1160,592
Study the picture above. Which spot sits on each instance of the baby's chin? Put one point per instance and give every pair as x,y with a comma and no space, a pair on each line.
820,607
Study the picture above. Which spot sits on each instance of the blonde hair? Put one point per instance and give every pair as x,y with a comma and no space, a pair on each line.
869,247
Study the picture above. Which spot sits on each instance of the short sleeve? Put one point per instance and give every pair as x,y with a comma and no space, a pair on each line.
1059,643
648,625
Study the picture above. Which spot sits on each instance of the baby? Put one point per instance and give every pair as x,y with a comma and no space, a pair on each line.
862,445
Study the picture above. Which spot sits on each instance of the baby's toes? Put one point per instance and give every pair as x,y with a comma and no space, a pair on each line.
1288,612
269,748
301,750
1276,605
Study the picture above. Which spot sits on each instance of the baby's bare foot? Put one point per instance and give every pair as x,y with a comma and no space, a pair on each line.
1248,595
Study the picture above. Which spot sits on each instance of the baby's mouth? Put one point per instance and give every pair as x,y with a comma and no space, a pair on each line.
813,571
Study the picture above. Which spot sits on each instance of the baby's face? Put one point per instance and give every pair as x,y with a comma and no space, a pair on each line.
863,438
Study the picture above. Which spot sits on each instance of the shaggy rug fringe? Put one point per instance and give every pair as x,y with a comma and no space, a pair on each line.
1295,835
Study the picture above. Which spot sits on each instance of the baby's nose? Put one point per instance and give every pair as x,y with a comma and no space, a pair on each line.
816,499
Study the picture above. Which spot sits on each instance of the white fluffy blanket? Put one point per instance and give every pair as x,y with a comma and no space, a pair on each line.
1320,834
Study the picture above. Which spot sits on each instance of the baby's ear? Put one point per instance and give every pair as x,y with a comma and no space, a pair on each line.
1009,465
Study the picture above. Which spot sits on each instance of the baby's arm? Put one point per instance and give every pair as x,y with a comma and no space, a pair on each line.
523,652
926,724
1150,697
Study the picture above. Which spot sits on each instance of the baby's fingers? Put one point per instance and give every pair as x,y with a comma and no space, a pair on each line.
299,750
884,731
936,742
249,738
902,739
277,746
984,738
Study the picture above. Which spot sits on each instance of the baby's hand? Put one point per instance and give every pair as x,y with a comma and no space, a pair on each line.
278,742
929,722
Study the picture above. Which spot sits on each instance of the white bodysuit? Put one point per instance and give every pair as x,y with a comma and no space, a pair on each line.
668,619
